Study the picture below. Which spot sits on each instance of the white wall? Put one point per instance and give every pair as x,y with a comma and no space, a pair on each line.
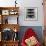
32,3
6,3
26,3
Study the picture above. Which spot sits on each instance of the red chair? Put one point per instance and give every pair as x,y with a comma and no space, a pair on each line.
29,33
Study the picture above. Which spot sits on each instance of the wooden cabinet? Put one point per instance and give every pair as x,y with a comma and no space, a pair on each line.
10,43
8,25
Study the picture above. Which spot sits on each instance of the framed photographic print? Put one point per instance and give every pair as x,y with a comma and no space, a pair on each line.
5,12
31,13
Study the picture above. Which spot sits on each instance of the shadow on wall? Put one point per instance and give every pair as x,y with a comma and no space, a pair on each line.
37,29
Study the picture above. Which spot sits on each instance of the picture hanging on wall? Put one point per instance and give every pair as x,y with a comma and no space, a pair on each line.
31,13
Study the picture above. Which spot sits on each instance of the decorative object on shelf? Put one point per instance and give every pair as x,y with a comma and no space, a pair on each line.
15,30
7,34
15,37
13,12
15,3
5,12
6,21
15,34
31,13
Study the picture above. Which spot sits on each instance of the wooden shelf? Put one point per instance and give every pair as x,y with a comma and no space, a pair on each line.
5,8
4,13
11,26
11,41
